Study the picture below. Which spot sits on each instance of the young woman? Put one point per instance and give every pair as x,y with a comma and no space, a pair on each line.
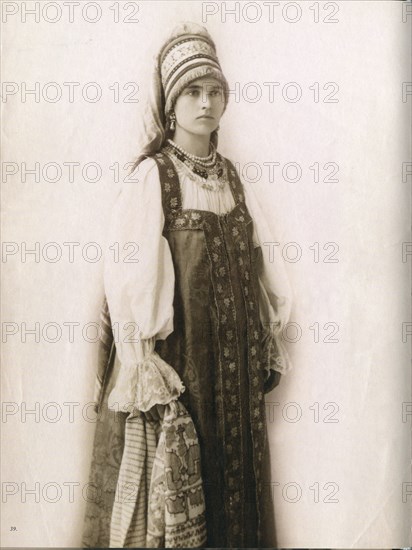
189,434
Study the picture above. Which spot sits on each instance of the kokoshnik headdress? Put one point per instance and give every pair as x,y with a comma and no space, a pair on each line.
188,53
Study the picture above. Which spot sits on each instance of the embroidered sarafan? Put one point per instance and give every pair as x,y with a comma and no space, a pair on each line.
229,273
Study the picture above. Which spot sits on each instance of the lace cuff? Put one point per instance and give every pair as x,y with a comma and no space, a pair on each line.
275,355
151,382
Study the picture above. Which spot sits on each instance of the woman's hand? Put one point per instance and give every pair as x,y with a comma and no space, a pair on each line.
156,413
272,381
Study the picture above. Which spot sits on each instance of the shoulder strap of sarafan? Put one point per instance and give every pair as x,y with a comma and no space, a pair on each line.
235,183
169,182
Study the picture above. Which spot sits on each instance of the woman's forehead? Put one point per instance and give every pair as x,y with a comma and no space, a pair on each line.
205,80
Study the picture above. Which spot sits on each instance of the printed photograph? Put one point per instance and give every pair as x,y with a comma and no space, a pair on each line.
206,274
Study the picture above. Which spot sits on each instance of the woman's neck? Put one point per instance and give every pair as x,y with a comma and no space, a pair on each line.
192,143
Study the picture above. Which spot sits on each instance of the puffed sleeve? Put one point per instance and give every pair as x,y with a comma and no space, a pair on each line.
139,286
275,291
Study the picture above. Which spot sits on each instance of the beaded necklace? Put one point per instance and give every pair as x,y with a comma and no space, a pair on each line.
210,169
203,161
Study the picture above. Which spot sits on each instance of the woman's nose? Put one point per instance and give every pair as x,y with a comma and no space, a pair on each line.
205,99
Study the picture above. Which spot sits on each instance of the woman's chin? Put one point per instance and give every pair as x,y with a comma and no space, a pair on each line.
205,127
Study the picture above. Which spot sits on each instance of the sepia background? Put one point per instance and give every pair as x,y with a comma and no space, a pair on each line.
319,124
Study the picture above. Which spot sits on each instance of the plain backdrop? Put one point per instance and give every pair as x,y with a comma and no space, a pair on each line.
338,424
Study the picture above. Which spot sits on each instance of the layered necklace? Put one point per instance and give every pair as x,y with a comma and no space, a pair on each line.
210,170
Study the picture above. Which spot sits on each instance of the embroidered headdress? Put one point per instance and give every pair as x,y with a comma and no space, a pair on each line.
186,58
188,53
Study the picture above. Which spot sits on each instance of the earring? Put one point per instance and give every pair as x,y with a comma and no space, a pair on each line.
172,119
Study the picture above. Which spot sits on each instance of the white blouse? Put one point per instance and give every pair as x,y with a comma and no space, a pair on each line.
139,286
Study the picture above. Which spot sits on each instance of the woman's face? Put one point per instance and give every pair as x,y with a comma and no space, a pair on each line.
200,106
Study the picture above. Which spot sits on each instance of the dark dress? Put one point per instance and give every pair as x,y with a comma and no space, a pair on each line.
216,350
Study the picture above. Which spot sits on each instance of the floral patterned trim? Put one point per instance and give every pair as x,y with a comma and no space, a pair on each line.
243,235
228,380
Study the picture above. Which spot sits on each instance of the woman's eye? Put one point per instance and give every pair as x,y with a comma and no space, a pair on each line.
212,93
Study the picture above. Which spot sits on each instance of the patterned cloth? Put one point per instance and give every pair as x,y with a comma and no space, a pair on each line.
159,499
